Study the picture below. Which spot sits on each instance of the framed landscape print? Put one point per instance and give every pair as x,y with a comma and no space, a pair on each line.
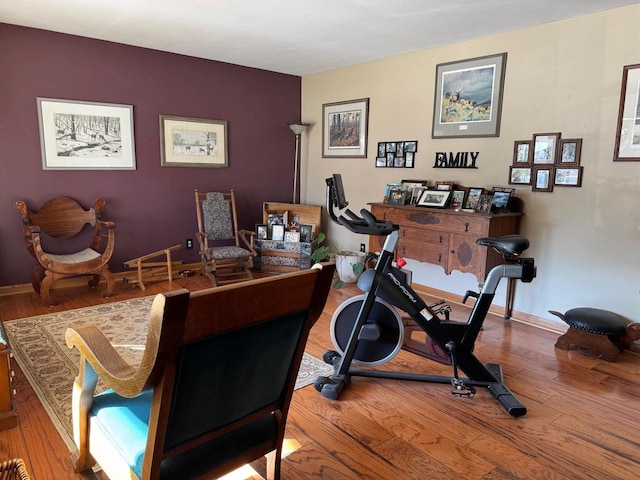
78,135
520,175
193,142
545,147
569,152
568,177
468,97
542,180
627,148
500,201
522,153
344,129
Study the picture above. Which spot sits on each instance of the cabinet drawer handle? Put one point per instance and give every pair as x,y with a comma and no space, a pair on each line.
466,227
440,238
439,258
404,251
452,251
404,232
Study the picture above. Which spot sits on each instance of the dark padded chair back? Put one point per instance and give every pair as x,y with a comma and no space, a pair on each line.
226,378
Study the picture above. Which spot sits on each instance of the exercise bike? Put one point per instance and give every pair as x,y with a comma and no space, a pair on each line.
367,330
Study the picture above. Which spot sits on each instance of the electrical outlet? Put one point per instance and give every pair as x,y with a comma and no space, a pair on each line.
189,243
362,247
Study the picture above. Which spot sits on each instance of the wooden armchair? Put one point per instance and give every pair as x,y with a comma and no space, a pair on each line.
64,218
214,385
226,252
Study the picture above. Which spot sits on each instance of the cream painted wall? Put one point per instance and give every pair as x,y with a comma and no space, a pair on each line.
560,77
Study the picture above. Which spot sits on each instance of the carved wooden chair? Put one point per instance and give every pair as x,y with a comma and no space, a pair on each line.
214,385
226,252
64,218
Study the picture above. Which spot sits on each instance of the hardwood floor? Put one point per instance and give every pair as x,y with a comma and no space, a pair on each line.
582,420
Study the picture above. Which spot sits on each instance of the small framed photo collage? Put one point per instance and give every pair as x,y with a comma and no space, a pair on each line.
546,161
282,227
397,154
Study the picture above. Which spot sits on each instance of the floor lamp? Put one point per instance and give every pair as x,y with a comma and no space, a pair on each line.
297,128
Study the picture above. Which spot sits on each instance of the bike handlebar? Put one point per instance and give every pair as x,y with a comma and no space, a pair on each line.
366,224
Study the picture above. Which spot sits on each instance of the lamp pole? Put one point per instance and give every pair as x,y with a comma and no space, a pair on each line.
297,128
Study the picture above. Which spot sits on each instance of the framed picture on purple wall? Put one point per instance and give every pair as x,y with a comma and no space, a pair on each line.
193,142
79,135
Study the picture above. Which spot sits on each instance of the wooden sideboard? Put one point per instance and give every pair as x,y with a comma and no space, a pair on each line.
448,238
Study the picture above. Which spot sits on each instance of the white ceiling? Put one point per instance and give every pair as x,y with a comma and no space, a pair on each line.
297,37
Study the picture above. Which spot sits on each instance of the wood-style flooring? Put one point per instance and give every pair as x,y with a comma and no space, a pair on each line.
582,422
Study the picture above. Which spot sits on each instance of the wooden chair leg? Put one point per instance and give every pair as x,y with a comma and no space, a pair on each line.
82,399
95,280
108,276
45,285
36,278
212,278
273,464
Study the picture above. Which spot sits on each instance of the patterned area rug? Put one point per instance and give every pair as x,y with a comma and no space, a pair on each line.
40,350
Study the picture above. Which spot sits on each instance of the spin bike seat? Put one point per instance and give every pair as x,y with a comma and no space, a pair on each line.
506,245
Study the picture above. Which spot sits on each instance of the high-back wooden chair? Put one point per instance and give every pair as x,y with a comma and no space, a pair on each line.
226,251
214,385
64,218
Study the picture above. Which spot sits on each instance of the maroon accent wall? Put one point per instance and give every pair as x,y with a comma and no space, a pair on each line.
153,207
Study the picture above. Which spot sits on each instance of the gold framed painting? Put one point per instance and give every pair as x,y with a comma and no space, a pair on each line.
193,142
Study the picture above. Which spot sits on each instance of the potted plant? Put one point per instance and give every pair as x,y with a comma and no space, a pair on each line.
349,264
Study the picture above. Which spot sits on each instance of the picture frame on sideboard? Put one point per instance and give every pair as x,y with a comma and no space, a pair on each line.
434,198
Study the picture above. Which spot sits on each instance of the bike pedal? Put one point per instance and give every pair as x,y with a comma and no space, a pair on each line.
462,390
467,394
442,308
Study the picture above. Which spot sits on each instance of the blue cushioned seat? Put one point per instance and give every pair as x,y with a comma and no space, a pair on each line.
125,422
